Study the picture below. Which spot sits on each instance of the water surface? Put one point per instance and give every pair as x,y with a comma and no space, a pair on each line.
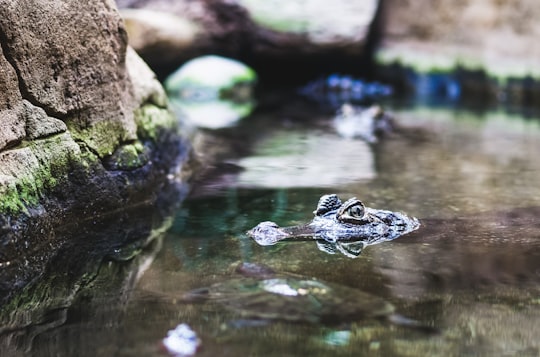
472,271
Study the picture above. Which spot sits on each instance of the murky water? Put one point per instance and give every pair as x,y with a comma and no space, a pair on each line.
472,271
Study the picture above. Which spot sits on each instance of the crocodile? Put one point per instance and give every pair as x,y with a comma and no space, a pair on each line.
345,227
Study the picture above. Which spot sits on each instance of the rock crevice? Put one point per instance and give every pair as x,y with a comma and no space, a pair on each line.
23,88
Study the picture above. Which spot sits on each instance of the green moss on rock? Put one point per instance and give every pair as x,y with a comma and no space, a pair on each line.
101,138
150,119
32,168
128,157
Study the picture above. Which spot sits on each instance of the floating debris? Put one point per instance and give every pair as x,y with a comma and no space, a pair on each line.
182,341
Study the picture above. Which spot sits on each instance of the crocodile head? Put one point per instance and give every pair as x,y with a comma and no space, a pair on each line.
340,225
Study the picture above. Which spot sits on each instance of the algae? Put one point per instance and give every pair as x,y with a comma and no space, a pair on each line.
32,168
128,157
151,120
102,138
35,167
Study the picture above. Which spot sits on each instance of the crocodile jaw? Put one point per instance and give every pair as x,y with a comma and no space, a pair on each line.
269,233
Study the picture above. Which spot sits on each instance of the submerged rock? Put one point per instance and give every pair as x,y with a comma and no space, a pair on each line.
277,296
257,299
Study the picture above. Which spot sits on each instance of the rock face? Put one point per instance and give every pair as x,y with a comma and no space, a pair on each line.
497,36
61,77
250,30
81,121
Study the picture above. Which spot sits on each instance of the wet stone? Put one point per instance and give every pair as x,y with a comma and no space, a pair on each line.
127,157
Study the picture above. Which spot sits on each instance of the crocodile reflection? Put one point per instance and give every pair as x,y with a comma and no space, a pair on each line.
340,227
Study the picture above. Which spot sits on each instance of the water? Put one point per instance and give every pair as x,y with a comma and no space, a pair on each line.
472,271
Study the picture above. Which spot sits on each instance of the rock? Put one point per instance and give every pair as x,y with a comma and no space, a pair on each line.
38,124
127,157
53,79
211,77
212,91
168,33
161,36
490,35
255,30
12,129
310,26
85,129
33,170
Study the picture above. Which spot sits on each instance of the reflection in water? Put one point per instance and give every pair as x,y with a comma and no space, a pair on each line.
348,249
287,159
89,283
459,162
213,114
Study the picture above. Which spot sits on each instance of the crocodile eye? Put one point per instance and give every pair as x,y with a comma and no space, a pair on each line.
357,211
353,211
